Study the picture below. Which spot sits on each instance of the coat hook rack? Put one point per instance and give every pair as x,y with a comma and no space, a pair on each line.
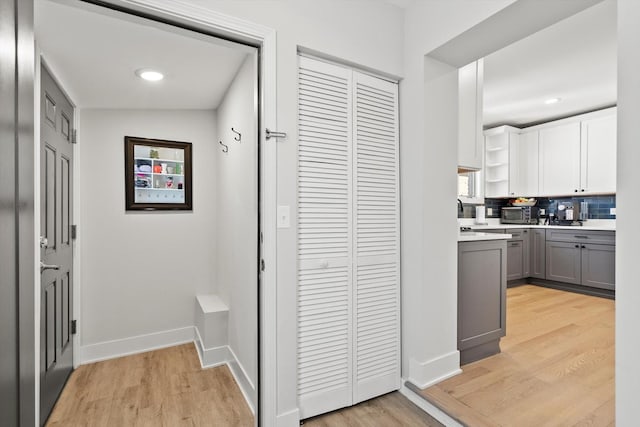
225,149
239,137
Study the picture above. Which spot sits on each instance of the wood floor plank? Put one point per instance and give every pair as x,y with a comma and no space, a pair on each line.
165,387
556,368
392,409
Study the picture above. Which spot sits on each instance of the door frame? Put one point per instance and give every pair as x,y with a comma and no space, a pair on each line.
216,24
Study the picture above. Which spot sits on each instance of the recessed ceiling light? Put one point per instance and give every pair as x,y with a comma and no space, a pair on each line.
552,101
149,75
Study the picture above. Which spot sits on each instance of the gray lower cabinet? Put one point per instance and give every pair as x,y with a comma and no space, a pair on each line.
564,262
518,258
538,248
482,284
599,266
586,258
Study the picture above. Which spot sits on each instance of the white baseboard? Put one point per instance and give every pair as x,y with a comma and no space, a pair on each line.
429,408
133,345
247,387
211,357
430,372
288,419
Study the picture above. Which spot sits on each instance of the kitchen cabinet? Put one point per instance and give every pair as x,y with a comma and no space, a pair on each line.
498,142
598,155
538,253
523,165
581,258
564,262
518,262
482,284
559,159
598,266
470,137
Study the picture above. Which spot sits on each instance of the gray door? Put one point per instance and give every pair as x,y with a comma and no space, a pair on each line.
56,351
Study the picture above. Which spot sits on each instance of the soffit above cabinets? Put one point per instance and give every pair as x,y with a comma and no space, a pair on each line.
95,55
575,60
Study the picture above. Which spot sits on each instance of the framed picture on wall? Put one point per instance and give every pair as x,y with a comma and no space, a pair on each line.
157,174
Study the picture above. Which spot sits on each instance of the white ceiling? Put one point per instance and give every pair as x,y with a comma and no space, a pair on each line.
95,56
574,60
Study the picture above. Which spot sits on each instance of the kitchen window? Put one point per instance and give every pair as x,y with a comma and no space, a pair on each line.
469,190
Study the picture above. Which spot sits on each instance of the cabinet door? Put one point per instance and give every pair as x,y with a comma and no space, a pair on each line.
563,262
598,153
538,249
527,164
560,160
515,172
599,266
526,252
515,259
481,292
470,139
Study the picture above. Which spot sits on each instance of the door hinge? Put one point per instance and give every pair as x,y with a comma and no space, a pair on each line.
74,136
74,231
262,265
74,327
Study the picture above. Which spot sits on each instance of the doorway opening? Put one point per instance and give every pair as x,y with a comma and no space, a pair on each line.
152,279
559,336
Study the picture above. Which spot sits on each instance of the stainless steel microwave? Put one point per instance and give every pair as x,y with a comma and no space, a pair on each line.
520,215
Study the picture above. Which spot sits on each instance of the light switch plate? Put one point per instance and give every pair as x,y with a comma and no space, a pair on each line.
542,211
489,211
612,211
284,216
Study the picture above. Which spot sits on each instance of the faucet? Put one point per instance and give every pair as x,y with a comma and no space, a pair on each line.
460,208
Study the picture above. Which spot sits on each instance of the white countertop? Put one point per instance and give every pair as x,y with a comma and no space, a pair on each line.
474,236
594,224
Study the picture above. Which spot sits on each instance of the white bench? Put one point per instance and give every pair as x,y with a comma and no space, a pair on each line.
212,320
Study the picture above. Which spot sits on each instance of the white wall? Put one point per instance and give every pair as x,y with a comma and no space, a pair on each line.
628,204
237,216
365,32
428,165
141,270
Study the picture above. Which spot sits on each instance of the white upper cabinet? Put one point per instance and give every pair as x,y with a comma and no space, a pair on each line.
523,165
470,136
598,155
559,159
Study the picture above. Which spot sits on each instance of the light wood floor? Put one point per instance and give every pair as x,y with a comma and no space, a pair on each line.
160,388
556,367
169,388
390,410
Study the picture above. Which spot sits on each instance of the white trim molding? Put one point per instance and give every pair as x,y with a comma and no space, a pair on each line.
429,408
134,345
430,372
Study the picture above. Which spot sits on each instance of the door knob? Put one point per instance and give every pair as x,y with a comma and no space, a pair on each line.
44,267
43,242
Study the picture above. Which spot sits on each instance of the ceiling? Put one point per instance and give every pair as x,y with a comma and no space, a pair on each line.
575,60
95,56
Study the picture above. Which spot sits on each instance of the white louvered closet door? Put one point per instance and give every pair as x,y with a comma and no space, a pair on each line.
348,238
325,307
376,239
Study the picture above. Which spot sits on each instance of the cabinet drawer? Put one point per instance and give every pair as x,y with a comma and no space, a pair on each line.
579,236
517,233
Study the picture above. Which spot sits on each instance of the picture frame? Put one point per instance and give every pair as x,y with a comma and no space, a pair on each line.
158,174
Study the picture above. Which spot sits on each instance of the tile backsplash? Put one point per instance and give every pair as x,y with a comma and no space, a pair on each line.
599,206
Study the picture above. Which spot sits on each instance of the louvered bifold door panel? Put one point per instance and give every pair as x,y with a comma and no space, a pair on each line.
324,238
376,238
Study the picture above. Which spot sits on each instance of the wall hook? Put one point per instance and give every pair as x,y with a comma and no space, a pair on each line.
239,137
225,149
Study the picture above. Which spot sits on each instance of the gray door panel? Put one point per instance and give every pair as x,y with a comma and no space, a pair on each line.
56,202
599,266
